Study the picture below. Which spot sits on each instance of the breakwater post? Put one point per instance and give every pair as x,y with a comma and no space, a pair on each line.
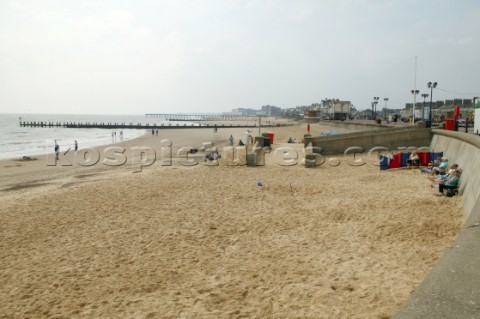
136,126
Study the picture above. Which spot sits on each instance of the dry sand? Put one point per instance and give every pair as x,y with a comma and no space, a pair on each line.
208,242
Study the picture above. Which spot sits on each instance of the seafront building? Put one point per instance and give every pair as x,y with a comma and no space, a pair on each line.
439,109
331,109
266,110
336,109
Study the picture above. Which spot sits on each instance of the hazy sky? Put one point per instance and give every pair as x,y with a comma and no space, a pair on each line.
148,56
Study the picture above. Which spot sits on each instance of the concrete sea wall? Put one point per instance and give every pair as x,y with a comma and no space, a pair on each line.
392,138
353,126
452,288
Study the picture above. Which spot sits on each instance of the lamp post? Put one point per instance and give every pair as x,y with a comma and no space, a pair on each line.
374,103
431,86
414,92
424,95
385,108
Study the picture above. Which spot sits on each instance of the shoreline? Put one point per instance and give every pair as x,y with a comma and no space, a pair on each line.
108,141
176,136
27,174
102,144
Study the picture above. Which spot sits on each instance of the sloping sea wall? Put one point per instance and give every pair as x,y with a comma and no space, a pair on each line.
452,288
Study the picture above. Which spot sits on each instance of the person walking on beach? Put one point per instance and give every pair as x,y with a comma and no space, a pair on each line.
231,139
156,132
308,128
247,138
121,135
76,145
153,132
57,150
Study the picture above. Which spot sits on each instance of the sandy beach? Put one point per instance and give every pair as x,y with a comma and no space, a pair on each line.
203,241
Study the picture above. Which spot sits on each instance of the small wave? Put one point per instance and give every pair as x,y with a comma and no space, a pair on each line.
16,133
18,143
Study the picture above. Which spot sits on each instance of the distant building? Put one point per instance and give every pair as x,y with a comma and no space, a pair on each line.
270,110
296,112
333,109
438,108
325,108
407,112
244,111
311,113
341,110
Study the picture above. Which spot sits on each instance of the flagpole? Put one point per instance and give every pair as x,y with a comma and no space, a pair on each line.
414,91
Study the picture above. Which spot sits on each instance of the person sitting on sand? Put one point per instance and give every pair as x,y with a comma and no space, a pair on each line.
429,168
290,140
213,156
451,183
413,160
441,179
441,168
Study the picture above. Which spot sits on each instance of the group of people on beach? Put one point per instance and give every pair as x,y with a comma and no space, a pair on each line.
447,179
56,148
114,136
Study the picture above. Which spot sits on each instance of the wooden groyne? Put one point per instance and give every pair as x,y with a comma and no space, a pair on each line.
135,126
200,117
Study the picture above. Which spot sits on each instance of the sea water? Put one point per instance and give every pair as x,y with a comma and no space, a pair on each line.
16,141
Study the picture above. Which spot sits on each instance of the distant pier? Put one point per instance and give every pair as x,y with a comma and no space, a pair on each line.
200,117
133,125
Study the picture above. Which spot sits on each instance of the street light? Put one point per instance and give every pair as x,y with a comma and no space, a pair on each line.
385,108
431,86
424,95
374,106
414,92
